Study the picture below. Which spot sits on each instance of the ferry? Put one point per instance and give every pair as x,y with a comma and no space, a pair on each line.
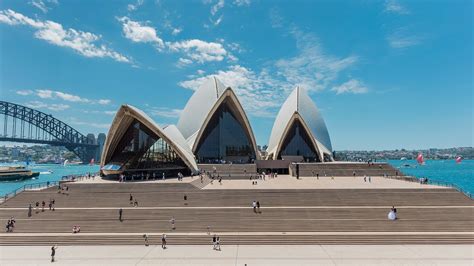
14,173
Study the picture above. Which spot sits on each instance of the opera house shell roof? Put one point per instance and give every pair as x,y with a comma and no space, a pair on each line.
299,129
212,128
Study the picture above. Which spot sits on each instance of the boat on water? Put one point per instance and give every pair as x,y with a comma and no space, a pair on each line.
14,173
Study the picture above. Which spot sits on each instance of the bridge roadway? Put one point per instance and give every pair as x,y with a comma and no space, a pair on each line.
313,216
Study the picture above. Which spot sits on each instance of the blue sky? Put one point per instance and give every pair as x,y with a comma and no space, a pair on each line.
385,74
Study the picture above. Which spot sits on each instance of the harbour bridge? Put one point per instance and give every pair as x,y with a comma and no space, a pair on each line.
23,124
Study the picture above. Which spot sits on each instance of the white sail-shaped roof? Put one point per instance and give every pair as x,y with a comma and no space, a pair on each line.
171,135
199,106
300,106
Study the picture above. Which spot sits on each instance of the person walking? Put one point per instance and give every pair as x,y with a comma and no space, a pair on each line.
53,252
218,244
254,206
163,241
42,206
172,221
29,210
370,179
258,206
214,242
145,237
185,199
50,205
120,214
36,206
131,198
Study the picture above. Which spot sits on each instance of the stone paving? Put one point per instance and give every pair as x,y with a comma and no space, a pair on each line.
242,255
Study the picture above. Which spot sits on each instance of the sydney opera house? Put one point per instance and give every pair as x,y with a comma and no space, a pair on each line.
214,129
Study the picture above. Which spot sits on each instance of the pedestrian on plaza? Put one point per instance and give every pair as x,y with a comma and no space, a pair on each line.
42,206
254,206
173,221
214,242
145,236
120,214
53,203
365,178
29,210
258,207
370,179
163,176
218,244
135,203
131,198
50,205
163,241
208,229
317,176
36,206
53,252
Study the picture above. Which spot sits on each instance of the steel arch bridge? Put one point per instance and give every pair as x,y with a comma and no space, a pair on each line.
23,124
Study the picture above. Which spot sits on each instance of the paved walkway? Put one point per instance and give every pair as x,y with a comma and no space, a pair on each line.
325,182
242,255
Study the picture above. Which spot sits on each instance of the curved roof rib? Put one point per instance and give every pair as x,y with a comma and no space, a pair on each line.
299,106
170,134
201,107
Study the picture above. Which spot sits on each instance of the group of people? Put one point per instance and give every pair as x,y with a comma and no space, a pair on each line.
256,206
76,229
10,224
216,243
133,201
392,215
143,176
367,179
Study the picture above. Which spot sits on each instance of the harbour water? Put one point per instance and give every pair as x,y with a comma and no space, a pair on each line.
48,172
447,171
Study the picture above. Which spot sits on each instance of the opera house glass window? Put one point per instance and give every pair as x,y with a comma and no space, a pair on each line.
225,139
298,142
142,150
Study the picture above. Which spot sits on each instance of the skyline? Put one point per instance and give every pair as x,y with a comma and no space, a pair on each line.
384,74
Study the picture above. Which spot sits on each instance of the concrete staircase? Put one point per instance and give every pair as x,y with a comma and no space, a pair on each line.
230,171
345,169
322,216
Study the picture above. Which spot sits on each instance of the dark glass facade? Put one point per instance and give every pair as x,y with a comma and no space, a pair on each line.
141,151
298,142
225,139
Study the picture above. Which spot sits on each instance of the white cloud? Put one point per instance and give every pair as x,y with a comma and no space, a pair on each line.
24,92
52,107
259,93
393,6
199,51
242,2
219,5
218,20
84,43
52,94
165,112
136,32
133,7
400,40
352,86
176,31
104,101
312,68
43,5
110,112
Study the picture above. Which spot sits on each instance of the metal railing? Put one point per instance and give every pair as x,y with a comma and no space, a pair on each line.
73,178
450,185
35,186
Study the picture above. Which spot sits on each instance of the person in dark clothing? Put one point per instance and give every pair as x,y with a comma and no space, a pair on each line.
185,199
163,241
29,210
120,214
42,205
53,252
258,207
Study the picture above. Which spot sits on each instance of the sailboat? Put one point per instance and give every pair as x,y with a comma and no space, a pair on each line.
420,159
65,162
